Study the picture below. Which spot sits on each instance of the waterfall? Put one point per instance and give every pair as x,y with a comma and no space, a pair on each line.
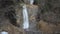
31,1
25,18
4,32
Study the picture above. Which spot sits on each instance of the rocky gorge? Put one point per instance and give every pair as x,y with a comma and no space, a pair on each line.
43,16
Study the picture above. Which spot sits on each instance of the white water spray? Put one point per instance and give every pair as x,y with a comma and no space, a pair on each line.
31,1
4,32
25,18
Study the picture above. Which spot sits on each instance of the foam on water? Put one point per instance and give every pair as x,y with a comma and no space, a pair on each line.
31,1
25,18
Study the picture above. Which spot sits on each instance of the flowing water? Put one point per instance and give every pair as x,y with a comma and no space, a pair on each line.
25,18
31,2
4,32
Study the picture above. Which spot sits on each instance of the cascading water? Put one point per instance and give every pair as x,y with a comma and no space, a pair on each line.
31,2
25,18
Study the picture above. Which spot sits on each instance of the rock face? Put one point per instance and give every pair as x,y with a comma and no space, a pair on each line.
44,16
7,3
19,16
51,11
7,10
32,12
50,15
7,17
26,1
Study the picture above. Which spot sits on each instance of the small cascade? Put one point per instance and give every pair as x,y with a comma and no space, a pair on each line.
25,15
31,2
25,18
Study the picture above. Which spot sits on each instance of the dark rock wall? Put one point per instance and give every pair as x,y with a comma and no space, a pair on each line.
8,21
50,14
48,10
44,14
51,11
7,10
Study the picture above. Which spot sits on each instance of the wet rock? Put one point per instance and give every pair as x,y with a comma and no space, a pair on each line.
32,12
